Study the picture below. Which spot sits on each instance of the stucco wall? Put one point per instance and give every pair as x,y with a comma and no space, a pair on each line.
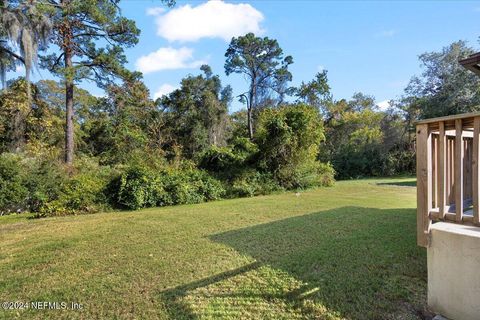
454,271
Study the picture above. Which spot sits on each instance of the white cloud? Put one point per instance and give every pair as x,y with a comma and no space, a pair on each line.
386,33
384,105
163,90
168,59
320,68
212,19
155,11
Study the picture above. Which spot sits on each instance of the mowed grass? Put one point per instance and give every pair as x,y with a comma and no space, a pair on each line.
346,252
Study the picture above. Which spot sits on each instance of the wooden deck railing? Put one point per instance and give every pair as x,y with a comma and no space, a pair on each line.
447,172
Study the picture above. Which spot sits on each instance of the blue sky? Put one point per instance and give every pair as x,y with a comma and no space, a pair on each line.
369,47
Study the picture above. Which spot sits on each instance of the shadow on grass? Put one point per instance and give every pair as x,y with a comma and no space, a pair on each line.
412,183
354,262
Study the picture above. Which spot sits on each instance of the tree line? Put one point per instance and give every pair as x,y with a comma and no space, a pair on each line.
63,150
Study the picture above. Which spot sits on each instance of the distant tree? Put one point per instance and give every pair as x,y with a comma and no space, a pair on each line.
288,138
116,129
53,94
28,121
315,92
364,141
361,102
444,87
90,36
262,61
197,113
357,139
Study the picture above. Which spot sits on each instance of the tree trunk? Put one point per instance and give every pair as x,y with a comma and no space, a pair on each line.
69,147
18,131
250,122
250,106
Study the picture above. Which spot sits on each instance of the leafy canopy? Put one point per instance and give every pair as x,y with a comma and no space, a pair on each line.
95,34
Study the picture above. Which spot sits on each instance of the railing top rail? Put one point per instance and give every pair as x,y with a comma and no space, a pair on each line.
452,117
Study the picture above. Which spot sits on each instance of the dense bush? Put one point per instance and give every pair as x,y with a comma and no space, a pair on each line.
219,159
13,193
307,175
230,160
134,188
399,161
42,185
140,187
45,180
82,192
253,183
192,186
288,139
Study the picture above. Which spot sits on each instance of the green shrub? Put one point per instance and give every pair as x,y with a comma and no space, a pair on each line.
44,179
139,187
306,175
83,192
244,148
252,183
209,187
187,187
135,188
288,139
231,160
13,193
325,175
219,159
398,162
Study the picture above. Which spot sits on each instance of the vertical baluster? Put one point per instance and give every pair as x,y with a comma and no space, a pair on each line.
458,170
452,173
434,171
449,172
442,173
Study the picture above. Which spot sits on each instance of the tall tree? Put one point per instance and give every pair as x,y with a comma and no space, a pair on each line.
315,92
262,61
444,87
91,36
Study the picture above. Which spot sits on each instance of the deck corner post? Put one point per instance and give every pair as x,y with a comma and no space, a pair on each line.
424,182
476,171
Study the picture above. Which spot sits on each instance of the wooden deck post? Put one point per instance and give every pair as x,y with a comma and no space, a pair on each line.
458,172
424,183
475,170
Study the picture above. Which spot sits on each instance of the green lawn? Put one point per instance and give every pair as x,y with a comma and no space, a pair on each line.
343,252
